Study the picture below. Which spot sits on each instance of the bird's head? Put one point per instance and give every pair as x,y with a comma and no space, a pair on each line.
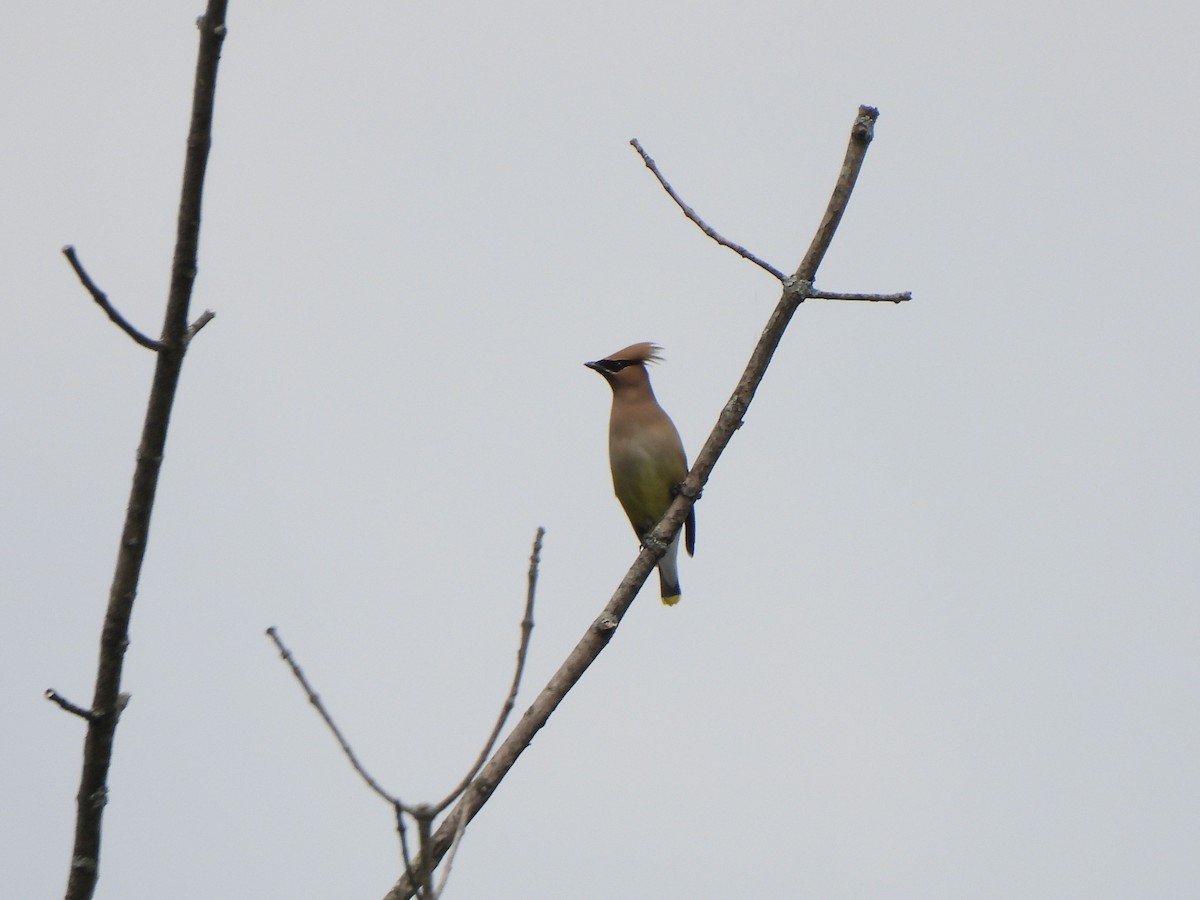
627,368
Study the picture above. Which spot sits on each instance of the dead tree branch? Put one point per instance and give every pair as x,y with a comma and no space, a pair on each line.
107,699
421,873
796,289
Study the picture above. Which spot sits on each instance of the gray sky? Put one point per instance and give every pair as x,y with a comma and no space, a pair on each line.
940,638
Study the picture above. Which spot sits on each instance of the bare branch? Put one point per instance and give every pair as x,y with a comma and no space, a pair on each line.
795,290
324,713
861,134
63,703
421,872
511,700
700,223
107,699
872,298
102,300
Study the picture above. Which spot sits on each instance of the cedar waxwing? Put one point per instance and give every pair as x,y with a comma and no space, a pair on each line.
646,454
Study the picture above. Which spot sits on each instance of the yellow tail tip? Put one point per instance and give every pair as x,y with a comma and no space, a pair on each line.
671,601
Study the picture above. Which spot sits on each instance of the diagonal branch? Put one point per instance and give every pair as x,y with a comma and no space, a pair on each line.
535,558
700,223
107,699
102,299
421,871
598,634
861,134
315,700
398,808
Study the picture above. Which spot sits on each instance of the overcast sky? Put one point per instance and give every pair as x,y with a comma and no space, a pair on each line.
940,638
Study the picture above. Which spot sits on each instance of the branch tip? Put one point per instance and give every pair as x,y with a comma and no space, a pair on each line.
864,125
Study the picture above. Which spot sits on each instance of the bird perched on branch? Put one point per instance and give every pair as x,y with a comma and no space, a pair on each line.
646,455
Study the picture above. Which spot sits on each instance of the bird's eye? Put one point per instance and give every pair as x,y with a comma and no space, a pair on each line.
614,365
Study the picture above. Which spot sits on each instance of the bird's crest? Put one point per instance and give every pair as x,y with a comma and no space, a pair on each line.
645,352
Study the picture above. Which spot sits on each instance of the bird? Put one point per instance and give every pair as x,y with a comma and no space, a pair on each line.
646,455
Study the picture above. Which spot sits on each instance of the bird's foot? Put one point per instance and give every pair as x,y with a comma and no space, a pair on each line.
654,546
682,488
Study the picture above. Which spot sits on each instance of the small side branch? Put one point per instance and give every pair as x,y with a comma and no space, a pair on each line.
398,808
405,855
63,703
449,863
902,297
700,223
535,558
102,299
205,317
324,713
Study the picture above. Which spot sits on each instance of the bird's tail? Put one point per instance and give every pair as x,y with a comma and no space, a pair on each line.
668,574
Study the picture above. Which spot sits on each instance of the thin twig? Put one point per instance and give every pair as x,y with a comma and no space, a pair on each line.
425,864
63,703
102,300
511,700
700,223
597,636
872,298
398,807
458,833
324,713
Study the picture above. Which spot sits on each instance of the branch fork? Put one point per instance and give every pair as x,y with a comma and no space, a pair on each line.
796,287
420,871
121,322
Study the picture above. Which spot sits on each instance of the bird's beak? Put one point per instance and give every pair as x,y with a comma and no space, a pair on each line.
601,371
